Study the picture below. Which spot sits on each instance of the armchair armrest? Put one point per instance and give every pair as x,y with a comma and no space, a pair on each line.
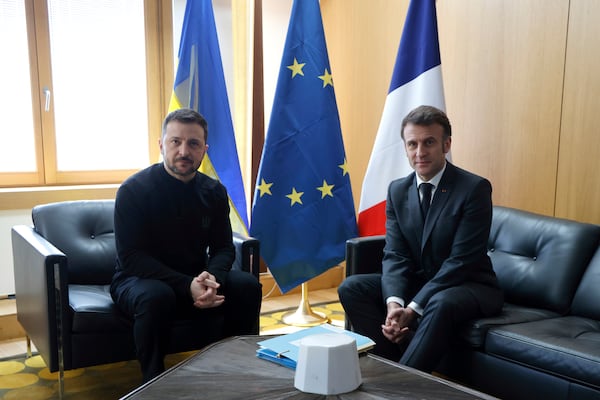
40,271
364,254
247,254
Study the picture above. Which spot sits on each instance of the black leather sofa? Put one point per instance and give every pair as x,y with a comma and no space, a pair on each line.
63,266
546,342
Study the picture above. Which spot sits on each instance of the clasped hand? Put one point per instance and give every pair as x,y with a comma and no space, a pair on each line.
204,291
397,322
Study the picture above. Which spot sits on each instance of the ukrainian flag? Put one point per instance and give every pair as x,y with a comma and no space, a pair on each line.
200,85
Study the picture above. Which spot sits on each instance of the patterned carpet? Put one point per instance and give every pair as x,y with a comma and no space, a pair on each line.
24,378
272,324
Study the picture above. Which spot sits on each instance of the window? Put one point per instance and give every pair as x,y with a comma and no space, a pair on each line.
15,93
83,89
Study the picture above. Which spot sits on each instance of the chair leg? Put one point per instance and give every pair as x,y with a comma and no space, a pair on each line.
61,383
28,342
59,332
61,367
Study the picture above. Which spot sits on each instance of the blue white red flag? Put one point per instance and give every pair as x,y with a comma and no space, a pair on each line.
416,80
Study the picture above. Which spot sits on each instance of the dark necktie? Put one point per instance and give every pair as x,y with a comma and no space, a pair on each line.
426,201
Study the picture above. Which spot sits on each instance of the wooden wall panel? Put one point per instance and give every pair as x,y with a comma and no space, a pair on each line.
578,184
521,81
502,63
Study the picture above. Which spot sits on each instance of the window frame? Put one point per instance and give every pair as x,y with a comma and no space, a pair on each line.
159,71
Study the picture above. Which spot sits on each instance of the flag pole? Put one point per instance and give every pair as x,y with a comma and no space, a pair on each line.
304,315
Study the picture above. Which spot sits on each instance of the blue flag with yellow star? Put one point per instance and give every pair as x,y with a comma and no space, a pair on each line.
303,210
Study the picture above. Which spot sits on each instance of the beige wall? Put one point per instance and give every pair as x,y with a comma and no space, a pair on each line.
578,183
521,79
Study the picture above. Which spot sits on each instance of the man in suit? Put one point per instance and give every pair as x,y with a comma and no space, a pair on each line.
436,273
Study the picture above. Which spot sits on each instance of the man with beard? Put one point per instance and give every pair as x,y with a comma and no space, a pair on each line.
175,249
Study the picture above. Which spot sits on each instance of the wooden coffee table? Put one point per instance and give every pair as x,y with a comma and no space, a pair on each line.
229,369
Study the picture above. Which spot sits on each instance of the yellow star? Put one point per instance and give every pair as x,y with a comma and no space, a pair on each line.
296,68
344,167
326,77
264,187
294,197
325,189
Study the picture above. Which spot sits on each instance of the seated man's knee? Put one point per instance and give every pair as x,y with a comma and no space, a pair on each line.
358,285
243,286
347,286
442,302
247,281
156,298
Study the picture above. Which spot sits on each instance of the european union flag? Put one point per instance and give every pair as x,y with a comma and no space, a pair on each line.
303,209
200,85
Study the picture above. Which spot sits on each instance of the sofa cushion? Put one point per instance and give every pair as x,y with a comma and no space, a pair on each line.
94,311
586,302
475,332
568,347
539,260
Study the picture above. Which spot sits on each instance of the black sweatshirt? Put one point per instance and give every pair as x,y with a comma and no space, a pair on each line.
163,228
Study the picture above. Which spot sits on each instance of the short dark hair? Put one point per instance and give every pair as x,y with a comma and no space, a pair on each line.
426,116
186,116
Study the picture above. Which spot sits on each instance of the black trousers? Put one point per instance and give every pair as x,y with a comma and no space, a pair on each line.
437,328
153,306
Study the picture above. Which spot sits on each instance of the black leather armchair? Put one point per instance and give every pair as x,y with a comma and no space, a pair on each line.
364,254
63,266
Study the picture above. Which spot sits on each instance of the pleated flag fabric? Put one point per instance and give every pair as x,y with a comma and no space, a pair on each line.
200,85
303,210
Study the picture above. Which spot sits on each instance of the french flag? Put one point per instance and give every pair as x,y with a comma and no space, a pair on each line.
416,80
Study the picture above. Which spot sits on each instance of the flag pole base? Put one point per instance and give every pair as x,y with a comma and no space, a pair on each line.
304,315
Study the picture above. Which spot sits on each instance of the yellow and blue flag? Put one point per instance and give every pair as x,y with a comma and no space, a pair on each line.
303,210
200,85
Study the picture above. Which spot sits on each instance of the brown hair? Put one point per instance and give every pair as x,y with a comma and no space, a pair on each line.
425,116
186,116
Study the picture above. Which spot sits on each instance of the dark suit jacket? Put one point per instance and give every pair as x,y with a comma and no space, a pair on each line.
448,249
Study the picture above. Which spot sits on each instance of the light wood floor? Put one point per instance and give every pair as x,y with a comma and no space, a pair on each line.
12,347
271,304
